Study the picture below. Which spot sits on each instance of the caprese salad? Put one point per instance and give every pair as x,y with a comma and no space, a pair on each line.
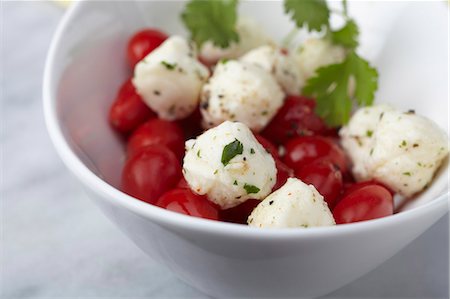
228,125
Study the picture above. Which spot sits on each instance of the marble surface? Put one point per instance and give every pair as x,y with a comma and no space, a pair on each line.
56,243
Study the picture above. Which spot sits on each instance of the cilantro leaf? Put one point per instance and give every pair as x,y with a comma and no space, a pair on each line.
330,87
211,20
347,36
312,13
251,189
231,150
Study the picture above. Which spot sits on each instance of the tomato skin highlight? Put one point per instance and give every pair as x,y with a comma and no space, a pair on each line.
295,118
366,203
128,111
157,131
325,177
186,202
143,43
150,172
240,213
303,150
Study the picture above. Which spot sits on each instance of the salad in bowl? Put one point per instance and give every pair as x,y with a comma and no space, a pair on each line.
231,126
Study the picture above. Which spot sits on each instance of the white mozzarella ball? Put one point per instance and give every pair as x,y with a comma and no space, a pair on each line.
315,53
295,204
357,137
229,165
400,150
241,92
280,64
170,78
407,151
250,36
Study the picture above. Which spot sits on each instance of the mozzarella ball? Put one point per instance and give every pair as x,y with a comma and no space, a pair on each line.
241,92
280,64
170,78
229,165
250,36
403,152
295,204
357,137
315,53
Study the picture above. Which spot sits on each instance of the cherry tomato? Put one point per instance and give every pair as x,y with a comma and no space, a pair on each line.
128,110
283,173
269,146
184,201
142,43
295,118
323,175
157,131
240,213
302,150
365,203
182,184
355,186
150,172
192,125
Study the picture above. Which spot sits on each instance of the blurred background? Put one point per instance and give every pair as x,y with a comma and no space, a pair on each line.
56,243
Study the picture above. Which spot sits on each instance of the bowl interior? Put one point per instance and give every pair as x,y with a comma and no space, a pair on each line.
411,56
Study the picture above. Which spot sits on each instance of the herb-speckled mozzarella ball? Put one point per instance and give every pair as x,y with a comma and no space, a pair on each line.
241,92
400,150
407,151
170,78
357,137
315,53
229,165
280,64
250,36
295,204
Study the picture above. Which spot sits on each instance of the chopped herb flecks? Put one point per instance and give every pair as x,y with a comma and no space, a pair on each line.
231,150
251,189
169,66
407,173
235,183
369,133
252,151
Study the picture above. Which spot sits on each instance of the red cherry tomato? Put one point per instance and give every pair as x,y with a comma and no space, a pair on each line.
366,203
355,186
182,184
185,202
149,173
191,125
302,150
240,213
157,131
283,173
269,146
295,118
142,43
128,110
323,175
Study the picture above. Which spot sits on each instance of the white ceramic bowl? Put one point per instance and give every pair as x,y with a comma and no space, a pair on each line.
84,69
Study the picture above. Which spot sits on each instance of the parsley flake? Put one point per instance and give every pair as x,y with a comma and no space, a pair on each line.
169,66
251,189
231,150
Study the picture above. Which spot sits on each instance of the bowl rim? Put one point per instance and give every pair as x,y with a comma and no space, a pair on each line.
118,198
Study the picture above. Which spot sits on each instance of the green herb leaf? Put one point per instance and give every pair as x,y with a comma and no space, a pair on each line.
347,36
313,14
169,66
231,150
330,87
251,189
211,20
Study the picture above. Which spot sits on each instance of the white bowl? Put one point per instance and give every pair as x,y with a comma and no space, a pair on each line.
84,69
